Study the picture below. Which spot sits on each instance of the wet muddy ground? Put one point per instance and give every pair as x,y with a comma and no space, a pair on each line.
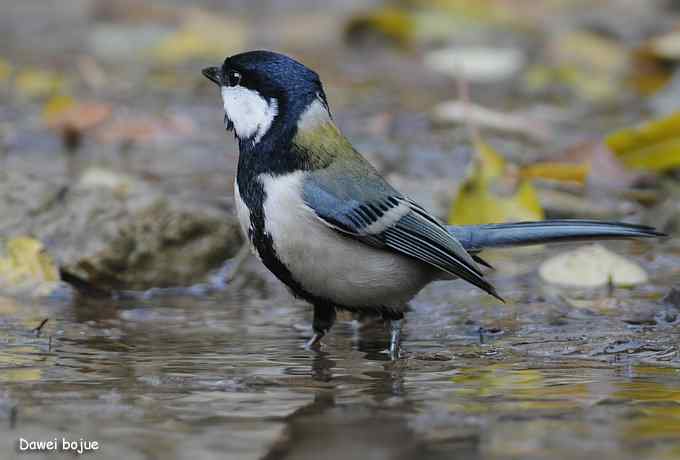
218,370
223,376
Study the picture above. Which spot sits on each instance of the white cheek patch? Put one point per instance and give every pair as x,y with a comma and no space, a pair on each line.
250,113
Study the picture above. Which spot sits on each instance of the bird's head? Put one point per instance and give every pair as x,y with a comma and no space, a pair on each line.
267,95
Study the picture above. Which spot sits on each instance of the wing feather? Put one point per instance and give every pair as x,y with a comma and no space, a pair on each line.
392,222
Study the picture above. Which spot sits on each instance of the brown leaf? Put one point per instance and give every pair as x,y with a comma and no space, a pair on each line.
144,129
79,116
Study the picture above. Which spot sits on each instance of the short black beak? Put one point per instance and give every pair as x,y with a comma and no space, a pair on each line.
213,74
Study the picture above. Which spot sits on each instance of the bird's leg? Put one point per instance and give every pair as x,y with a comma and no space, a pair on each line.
394,319
324,317
395,338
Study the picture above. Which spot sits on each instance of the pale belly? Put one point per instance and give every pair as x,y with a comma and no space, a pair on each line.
330,265
348,272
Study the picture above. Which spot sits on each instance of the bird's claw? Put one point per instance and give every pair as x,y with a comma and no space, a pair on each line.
314,343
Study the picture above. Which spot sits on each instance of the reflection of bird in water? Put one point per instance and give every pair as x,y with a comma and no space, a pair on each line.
322,367
325,429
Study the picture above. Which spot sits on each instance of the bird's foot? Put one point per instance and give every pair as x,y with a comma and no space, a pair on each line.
315,342
324,317
394,353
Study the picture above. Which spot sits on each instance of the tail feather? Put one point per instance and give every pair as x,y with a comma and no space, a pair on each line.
478,237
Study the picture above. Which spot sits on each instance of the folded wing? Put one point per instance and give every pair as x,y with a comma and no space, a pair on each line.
379,216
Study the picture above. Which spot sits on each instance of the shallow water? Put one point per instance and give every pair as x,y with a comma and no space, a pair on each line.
175,376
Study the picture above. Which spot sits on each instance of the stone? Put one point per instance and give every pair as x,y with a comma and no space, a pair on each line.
118,231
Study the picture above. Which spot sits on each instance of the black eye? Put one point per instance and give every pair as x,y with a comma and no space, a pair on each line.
234,78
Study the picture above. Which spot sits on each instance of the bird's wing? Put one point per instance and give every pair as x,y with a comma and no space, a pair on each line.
376,214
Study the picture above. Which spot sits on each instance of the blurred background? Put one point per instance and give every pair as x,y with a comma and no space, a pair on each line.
116,176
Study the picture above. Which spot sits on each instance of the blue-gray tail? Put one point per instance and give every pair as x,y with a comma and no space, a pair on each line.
478,237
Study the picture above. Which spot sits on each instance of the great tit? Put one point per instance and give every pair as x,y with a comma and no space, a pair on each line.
327,224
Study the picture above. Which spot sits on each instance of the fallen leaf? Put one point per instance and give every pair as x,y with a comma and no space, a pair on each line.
388,24
133,11
35,84
202,36
579,82
62,112
482,11
479,201
57,105
72,119
552,170
589,51
591,266
652,146
133,129
653,62
5,70
476,64
145,129
26,262
589,65
490,164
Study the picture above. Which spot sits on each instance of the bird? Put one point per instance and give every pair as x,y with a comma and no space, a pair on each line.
324,221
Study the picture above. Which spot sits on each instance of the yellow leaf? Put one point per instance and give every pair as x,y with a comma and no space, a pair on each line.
5,70
56,105
474,205
478,203
525,205
654,145
650,72
582,82
589,51
39,83
394,24
658,157
591,65
63,112
566,172
27,261
202,36
492,164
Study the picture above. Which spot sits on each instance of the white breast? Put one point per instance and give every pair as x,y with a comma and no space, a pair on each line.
328,264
